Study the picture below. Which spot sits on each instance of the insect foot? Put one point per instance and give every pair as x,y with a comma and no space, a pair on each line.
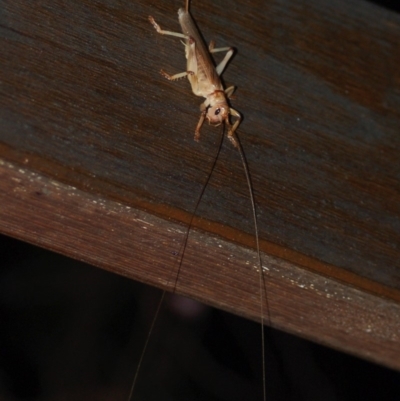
156,26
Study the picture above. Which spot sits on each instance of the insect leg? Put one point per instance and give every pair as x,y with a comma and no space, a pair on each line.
221,66
213,49
176,76
219,49
229,91
162,32
200,123
233,128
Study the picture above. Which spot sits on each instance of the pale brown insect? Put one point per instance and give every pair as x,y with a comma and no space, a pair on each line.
205,80
203,76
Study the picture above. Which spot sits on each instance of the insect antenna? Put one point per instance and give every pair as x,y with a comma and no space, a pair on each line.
177,274
200,197
263,288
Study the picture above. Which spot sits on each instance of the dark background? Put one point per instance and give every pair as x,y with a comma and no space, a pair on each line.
393,5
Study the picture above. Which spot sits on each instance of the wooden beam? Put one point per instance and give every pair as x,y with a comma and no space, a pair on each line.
98,160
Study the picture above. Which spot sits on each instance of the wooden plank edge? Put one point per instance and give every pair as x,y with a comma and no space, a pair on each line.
136,244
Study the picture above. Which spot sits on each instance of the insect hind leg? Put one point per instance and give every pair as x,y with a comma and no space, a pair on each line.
230,50
162,32
176,76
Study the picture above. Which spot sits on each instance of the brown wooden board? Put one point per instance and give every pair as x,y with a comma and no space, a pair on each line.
99,162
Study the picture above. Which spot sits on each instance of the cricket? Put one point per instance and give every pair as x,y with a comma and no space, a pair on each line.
205,81
203,76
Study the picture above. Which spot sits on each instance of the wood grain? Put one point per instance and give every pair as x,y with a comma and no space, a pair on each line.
99,162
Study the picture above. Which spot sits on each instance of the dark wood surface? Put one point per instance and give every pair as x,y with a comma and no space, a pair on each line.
99,162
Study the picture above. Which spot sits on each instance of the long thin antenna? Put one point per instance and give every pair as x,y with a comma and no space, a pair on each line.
197,205
183,247
263,289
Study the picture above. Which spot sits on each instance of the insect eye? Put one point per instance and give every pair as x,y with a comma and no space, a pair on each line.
217,111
